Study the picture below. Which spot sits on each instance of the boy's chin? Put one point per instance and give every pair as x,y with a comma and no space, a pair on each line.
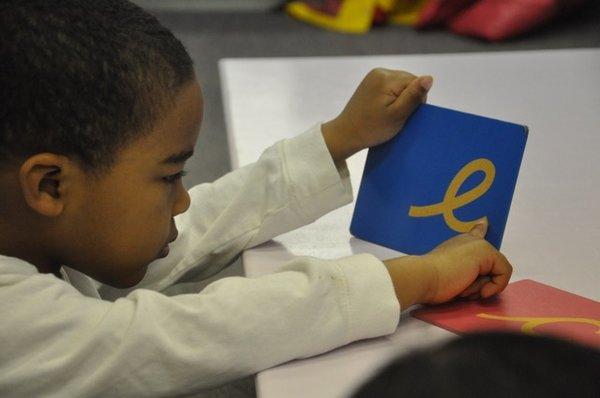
126,281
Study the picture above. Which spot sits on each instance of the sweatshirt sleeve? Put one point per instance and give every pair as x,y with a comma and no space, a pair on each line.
56,342
293,183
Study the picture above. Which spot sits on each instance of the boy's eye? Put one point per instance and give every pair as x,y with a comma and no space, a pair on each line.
175,177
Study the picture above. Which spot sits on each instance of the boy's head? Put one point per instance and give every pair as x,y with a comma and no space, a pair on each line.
95,97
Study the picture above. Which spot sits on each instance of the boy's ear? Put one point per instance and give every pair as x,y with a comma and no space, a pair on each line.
42,179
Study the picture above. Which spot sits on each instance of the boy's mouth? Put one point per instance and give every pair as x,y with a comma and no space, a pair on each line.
164,252
174,236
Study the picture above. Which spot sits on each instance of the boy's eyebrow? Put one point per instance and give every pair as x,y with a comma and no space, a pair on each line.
178,157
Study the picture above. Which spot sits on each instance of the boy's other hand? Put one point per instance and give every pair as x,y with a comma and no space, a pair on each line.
463,266
376,112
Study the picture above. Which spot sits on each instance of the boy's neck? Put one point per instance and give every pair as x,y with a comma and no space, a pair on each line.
32,251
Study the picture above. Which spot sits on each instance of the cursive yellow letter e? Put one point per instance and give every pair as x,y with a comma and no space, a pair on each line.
452,202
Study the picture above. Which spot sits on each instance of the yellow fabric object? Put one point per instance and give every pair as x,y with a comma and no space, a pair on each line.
406,12
354,16
387,5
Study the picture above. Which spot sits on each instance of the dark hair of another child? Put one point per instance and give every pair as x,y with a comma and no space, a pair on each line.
83,78
491,365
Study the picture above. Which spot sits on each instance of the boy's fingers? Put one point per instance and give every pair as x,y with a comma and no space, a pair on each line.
501,271
476,286
412,96
480,229
426,83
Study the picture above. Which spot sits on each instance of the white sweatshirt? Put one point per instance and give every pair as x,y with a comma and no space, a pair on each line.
59,338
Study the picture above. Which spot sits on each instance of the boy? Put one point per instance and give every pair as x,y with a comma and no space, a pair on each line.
100,108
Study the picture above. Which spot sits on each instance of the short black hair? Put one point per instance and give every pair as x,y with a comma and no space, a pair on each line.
83,78
491,365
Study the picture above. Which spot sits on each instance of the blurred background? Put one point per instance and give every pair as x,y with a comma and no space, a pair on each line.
215,29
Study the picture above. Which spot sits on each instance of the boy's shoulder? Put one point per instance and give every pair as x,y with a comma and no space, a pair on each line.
15,266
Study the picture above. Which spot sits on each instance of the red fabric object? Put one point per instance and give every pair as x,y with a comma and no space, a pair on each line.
496,20
439,12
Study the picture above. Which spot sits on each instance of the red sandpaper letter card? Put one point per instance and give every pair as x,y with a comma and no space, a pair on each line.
526,306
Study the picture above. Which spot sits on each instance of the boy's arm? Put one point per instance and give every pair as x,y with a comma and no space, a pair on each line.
57,342
60,343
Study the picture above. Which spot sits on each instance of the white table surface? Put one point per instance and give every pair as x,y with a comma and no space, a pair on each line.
553,230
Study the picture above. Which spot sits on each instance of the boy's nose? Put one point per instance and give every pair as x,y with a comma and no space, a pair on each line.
183,201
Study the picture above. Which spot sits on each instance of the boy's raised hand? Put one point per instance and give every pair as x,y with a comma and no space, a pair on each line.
463,266
376,112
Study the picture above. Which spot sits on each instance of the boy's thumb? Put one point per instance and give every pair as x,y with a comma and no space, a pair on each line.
413,95
480,229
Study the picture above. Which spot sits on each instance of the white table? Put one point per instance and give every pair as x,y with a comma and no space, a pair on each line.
553,230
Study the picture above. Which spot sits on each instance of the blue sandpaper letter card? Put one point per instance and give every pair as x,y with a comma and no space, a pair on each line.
445,171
